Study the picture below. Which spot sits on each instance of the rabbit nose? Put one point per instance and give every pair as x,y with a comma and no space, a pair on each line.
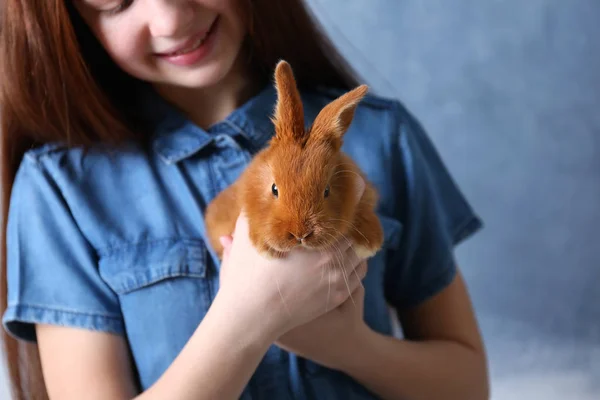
302,236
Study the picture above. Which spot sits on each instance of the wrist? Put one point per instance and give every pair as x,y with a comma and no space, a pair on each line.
249,315
356,351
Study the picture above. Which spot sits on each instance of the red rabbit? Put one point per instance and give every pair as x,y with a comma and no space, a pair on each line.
301,190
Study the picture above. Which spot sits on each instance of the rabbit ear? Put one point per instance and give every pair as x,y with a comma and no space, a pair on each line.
335,118
289,112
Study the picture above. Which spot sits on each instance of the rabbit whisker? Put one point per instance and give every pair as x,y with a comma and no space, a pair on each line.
341,266
352,226
326,244
328,265
354,270
282,299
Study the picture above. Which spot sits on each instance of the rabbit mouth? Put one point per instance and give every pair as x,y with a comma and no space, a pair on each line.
280,249
286,248
312,246
313,242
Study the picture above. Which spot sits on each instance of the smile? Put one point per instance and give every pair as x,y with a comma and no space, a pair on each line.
195,49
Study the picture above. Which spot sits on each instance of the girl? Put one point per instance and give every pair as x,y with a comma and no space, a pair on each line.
121,120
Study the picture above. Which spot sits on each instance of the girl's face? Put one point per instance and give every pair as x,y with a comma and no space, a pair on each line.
189,43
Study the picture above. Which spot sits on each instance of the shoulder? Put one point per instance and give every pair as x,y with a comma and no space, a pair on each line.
54,170
77,164
54,152
85,181
95,186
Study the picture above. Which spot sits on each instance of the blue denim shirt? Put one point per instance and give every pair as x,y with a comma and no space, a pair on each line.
114,241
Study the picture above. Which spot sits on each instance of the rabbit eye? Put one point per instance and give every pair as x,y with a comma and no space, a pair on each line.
274,190
326,191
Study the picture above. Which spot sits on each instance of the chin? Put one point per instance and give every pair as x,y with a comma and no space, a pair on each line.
197,78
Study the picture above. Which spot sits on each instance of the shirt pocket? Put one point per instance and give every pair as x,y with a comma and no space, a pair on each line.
164,293
132,267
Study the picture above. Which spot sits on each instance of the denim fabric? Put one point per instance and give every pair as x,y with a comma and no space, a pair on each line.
114,241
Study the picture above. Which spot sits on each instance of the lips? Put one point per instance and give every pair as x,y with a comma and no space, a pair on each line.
191,44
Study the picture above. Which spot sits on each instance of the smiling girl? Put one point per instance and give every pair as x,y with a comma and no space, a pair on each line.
121,121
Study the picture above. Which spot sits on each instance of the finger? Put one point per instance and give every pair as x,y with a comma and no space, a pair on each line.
359,297
351,260
226,241
350,288
356,296
335,255
355,280
241,224
339,245
356,300
350,278
359,291
361,271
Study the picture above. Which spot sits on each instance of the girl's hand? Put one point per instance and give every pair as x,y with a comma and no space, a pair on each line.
288,292
330,339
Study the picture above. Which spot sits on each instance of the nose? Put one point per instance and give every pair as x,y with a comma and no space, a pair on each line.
168,18
300,237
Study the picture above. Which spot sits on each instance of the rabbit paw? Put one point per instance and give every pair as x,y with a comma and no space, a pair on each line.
367,235
364,252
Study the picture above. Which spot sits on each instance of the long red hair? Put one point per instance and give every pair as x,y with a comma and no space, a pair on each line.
58,85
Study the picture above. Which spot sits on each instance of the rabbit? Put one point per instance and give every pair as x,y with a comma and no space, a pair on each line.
301,189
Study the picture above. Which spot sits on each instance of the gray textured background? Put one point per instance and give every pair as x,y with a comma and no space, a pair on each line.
510,92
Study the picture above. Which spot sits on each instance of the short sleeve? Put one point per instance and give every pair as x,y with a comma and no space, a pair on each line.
435,216
52,273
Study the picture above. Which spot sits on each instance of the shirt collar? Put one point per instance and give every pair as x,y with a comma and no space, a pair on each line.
175,137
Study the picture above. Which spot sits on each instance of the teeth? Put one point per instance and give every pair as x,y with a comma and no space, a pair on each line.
193,47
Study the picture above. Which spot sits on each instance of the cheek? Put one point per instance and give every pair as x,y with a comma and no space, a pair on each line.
125,45
337,207
233,13
223,6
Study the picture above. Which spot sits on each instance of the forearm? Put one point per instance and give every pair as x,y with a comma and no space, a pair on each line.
218,360
411,370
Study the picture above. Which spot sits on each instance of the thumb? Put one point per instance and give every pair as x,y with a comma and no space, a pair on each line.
241,224
356,302
226,241
359,298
